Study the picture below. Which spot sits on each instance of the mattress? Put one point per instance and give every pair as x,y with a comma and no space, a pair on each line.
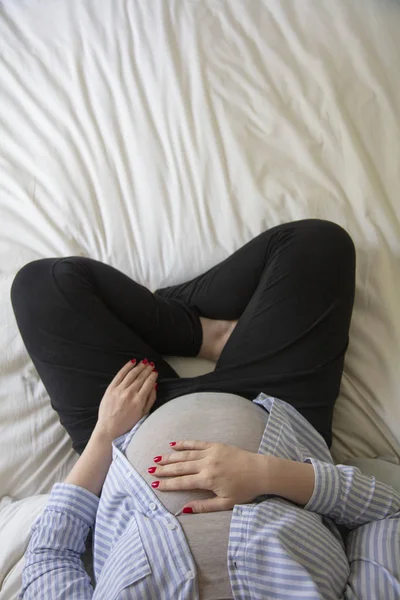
161,136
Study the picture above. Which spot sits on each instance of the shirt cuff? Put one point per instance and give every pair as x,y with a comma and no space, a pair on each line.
75,501
326,494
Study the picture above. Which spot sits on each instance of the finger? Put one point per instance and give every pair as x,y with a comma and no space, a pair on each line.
135,374
150,401
138,382
210,505
192,445
188,482
178,469
119,377
187,455
148,386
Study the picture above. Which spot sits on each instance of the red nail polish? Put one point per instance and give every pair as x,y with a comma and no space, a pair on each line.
155,370
145,361
157,458
187,509
151,363
151,469
155,484
172,443
133,360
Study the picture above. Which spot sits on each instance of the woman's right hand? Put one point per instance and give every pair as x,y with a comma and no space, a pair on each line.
129,397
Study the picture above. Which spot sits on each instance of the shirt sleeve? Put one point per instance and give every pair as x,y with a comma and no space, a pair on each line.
372,510
348,497
53,568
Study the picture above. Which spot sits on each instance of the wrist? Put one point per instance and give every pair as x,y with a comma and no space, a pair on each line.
102,435
264,474
287,478
269,474
91,469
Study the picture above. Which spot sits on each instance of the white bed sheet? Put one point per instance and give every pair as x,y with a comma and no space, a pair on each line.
161,136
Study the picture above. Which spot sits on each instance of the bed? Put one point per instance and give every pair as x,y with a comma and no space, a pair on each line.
160,136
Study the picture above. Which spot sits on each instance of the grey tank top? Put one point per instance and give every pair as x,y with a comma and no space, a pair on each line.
211,417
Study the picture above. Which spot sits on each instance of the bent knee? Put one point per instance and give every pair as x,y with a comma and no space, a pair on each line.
332,236
339,235
35,277
71,269
26,279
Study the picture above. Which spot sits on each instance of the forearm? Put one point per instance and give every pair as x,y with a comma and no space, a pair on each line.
58,538
337,491
287,479
91,469
349,497
52,560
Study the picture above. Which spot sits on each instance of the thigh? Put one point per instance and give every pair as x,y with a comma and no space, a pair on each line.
291,339
79,320
299,314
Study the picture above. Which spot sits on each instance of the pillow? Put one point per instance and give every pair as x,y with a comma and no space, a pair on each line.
382,468
16,520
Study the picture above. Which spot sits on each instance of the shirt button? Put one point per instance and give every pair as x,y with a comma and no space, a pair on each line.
171,525
128,474
239,512
153,506
190,575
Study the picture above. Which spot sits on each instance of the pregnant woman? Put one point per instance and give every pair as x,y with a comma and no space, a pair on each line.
250,441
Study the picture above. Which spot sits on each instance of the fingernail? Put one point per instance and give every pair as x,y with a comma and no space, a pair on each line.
145,361
151,363
133,360
155,484
155,371
157,458
172,443
156,386
151,469
187,509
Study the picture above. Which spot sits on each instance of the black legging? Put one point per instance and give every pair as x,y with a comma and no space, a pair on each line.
291,287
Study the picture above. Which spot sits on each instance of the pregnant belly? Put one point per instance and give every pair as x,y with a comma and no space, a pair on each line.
206,416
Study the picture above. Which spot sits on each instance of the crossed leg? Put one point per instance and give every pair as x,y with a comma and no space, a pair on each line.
275,316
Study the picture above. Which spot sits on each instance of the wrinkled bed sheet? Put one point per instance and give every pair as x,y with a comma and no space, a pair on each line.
161,136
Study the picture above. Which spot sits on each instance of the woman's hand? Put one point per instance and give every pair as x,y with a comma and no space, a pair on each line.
129,397
236,476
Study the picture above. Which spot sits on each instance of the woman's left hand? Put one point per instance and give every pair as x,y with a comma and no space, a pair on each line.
236,476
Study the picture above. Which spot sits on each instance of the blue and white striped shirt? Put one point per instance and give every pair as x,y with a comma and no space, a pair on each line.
276,549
